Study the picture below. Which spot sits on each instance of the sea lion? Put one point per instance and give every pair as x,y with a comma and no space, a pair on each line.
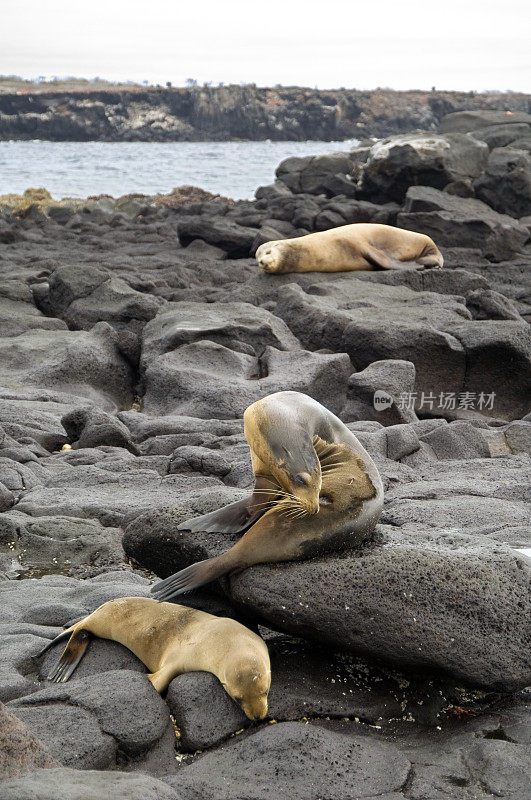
364,245
316,490
171,639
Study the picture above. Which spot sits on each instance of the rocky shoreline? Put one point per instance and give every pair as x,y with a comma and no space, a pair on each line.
224,113
134,332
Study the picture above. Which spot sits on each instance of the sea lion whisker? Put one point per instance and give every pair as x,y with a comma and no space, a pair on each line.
271,491
295,507
291,512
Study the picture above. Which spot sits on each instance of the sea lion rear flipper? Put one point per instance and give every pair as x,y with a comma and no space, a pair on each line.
64,635
189,578
70,657
377,258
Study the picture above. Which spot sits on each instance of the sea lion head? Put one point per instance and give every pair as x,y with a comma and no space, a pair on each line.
248,681
298,470
269,256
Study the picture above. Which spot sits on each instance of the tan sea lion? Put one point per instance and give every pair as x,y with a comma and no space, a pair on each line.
364,245
316,490
171,639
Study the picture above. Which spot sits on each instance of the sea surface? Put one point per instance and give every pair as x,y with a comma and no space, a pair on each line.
80,169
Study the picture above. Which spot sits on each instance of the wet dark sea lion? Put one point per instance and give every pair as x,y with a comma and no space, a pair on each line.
316,490
171,639
362,246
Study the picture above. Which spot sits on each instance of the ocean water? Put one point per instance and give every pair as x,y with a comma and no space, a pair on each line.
80,169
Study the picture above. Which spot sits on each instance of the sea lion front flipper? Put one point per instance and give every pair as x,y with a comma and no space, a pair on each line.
236,517
71,656
233,518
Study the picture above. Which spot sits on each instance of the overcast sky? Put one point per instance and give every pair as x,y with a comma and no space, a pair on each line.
450,44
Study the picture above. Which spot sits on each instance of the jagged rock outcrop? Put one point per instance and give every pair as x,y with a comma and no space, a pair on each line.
201,113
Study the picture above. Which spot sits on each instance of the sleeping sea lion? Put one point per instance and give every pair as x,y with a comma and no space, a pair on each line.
316,490
360,246
171,639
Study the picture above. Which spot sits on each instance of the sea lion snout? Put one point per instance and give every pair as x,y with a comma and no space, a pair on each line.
256,710
305,489
248,684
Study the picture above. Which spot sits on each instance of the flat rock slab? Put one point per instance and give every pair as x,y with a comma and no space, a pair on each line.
74,784
86,364
85,723
20,750
115,499
450,601
299,762
31,547
56,599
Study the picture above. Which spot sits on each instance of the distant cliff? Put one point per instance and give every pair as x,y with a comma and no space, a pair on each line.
230,112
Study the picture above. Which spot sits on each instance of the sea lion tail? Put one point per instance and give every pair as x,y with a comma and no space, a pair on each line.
190,578
71,655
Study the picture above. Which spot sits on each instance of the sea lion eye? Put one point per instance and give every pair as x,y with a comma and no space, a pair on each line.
301,479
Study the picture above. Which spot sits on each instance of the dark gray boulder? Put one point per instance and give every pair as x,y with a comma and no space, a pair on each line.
464,121
518,436
272,191
395,164
502,767
238,326
499,362
503,135
203,711
20,750
90,427
453,221
36,419
506,182
104,483
71,734
392,380
18,316
302,760
32,546
85,364
123,705
208,379
449,601
214,363
83,295
375,323
457,441
7,498
488,304
317,174
236,240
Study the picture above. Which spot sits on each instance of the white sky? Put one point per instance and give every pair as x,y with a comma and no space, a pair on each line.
415,44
